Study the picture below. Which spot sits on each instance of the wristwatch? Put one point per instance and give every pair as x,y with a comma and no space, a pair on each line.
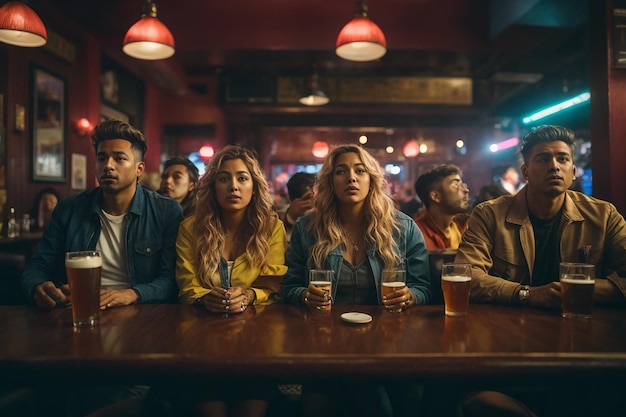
524,294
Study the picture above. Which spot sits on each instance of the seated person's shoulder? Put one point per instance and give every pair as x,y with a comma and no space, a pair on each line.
188,222
402,217
158,198
82,200
590,206
584,199
461,219
164,205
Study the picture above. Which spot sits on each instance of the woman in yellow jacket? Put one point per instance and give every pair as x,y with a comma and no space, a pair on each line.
230,255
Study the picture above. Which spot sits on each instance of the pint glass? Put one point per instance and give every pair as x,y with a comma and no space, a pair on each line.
392,280
577,286
83,274
322,279
455,284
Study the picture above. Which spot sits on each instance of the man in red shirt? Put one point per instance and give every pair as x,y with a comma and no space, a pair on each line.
446,204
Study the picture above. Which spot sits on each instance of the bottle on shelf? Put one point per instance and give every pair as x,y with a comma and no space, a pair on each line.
13,227
26,223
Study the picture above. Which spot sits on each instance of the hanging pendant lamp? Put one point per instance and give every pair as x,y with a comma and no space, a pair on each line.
361,39
21,26
312,95
149,38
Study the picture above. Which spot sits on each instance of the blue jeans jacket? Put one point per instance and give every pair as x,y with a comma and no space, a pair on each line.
410,244
151,229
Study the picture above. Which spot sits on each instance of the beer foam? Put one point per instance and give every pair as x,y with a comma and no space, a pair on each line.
578,281
321,283
395,284
455,278
86,262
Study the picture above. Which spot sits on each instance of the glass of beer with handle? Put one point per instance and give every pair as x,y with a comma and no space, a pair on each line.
322,279
455,284
577,287
392,280
83,275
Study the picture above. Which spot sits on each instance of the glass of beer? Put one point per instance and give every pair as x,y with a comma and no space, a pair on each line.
455,284
83,274
322,279
577,286
392,280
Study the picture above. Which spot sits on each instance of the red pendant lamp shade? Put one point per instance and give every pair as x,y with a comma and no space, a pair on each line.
320,149
20,26
149,38
361,39
411,149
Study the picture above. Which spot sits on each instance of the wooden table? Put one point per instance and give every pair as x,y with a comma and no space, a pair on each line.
23,244
14,252
147,342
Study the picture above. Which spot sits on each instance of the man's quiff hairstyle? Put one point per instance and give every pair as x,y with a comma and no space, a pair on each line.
116,129
546,134
432,179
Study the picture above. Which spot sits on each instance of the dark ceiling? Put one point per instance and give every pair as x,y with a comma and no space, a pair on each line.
520,54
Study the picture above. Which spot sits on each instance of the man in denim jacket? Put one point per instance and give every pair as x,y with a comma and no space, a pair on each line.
135,229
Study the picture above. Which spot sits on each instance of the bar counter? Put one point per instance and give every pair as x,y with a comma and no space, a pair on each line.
283,342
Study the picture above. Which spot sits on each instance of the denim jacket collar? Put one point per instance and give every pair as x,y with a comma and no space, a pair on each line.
136,206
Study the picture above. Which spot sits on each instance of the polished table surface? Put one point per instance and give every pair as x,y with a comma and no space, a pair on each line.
23,238
24,244
287,342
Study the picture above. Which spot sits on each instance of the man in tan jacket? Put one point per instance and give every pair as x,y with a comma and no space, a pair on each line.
515,243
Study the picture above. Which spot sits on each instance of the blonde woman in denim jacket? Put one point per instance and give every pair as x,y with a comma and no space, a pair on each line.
355,231
355,228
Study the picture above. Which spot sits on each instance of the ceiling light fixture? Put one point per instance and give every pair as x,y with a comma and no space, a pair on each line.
149,38
21,26
505,144
320,149
574,101
411,149
361,39
312,95
206,152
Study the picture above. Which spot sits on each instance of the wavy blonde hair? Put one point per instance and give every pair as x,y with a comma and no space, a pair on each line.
380,213
209,231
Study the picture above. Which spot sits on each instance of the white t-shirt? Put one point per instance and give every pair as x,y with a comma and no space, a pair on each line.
112,244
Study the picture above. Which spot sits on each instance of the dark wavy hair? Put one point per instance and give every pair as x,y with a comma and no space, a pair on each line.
546,134
297,184
189,202
432,179
116,129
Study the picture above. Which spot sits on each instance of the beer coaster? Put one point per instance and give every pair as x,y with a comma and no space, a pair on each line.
353,317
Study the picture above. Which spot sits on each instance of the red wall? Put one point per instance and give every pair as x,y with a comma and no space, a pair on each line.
83,100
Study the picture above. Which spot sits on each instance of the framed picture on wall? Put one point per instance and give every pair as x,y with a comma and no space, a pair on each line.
107,113
48,125
79,171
